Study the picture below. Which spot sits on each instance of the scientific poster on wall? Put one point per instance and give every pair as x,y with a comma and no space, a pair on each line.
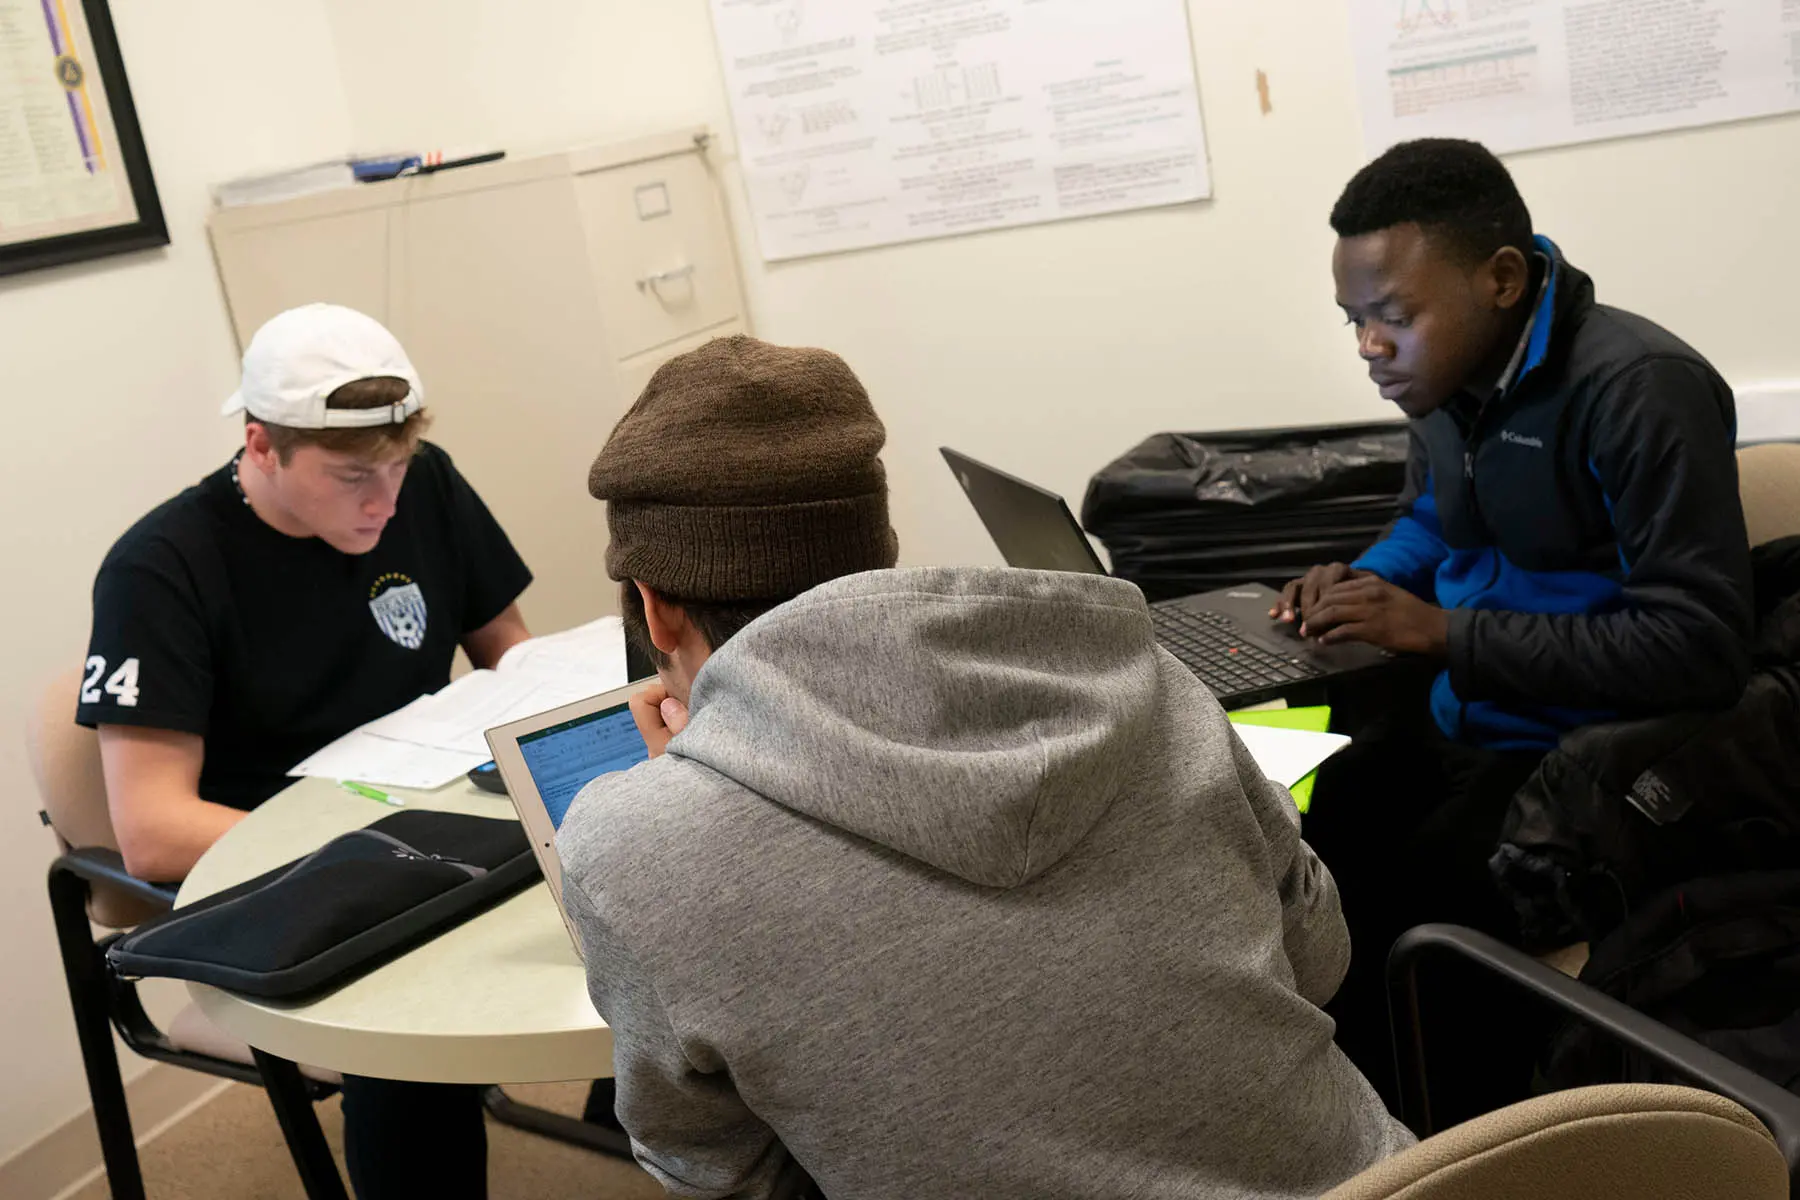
1520,74
867,122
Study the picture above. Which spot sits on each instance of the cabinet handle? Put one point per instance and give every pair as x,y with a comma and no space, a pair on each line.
652,283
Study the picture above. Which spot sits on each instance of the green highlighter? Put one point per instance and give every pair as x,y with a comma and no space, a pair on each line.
376,794
1316,719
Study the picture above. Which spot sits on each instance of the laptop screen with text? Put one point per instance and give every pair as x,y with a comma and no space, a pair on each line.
567,757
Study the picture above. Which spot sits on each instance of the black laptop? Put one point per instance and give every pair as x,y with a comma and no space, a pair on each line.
1225,637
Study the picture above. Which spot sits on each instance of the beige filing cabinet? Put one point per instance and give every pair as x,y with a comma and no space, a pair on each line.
535,295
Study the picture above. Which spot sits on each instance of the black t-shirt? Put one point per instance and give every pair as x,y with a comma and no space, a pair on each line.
207,620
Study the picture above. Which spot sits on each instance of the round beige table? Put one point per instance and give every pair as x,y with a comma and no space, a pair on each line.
501,998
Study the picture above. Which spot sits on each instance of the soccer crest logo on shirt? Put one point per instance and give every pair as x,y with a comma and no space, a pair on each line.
399,608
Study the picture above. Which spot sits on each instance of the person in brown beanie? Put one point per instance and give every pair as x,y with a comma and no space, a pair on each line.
744,475
939,882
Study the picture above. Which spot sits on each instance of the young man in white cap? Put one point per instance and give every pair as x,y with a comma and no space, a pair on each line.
323,577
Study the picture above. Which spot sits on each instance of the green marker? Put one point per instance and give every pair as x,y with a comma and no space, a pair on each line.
364,790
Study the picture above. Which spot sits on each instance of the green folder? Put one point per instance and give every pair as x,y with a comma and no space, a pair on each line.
1313,720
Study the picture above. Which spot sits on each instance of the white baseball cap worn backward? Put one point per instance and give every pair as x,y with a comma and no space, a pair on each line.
301,356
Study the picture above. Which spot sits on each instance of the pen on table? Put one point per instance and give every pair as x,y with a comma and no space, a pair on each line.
363,789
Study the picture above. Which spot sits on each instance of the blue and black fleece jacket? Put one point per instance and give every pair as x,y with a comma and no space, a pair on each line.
1582,527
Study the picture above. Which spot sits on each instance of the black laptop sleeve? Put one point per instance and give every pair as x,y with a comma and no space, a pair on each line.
357,902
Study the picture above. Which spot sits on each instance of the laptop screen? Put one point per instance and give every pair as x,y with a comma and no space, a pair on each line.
565,758
1032,526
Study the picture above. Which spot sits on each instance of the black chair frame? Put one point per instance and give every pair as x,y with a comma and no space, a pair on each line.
102,1002
1681,1056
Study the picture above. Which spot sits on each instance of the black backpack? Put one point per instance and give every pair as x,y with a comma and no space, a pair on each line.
1717,959
1623,811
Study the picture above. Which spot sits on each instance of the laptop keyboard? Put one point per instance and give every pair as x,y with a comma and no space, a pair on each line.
1210,645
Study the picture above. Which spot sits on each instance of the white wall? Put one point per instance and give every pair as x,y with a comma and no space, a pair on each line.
112,374
1050,349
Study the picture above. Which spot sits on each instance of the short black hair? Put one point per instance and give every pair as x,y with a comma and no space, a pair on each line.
717,622
1455,190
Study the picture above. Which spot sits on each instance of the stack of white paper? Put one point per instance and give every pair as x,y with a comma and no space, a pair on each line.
289,184
1287,756
439,737
367,758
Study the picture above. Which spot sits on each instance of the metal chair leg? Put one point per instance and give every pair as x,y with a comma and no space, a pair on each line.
504,1109
793,1183
300,1125
85,972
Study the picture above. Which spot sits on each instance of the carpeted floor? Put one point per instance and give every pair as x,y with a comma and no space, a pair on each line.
231,1149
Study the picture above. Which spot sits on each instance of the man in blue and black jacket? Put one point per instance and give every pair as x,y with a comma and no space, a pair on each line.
1571,546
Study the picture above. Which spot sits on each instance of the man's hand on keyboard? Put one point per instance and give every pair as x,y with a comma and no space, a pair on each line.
1370,609
1300,596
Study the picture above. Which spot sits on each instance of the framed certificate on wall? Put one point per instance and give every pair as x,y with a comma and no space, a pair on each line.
75,180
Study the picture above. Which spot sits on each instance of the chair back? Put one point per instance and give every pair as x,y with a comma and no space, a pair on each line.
65,761
1643,1141
1769,484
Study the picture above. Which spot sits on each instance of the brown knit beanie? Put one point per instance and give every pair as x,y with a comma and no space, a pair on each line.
746,472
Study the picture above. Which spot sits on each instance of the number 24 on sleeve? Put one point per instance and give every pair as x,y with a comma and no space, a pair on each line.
122,686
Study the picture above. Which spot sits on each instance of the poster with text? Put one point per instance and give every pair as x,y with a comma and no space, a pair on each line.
1520,74
868,122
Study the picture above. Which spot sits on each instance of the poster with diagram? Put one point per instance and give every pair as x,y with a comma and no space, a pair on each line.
869,122
1520,74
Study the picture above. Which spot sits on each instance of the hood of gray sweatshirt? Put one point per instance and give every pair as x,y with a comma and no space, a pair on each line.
955,884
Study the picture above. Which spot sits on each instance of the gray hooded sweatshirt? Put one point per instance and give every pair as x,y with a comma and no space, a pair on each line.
956,885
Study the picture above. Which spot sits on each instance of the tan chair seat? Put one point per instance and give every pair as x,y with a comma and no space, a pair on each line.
1569,960
1769,483
1623,1141
65,760
190,1030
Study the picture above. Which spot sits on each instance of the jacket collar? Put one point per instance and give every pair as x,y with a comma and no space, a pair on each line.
1534,343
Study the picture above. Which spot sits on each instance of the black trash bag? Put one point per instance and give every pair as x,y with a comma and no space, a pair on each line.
1189,512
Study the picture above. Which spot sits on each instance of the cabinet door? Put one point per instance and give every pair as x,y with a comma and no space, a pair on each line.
269,268
661,251
494,301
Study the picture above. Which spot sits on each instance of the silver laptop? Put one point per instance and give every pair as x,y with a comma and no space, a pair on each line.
546,759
